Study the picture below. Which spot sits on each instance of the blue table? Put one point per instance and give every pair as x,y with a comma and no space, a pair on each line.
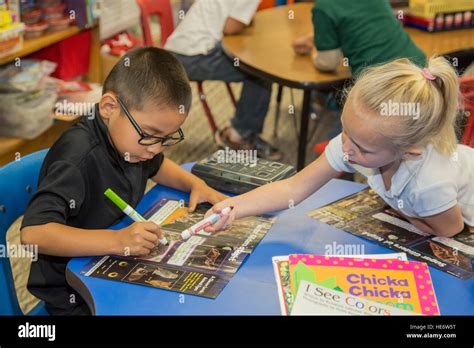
252,291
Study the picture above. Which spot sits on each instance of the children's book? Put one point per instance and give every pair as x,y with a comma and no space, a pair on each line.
314,299
201,265
366,215
281,267
405,285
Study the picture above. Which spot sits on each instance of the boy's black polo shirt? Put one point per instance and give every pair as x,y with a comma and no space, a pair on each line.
77,170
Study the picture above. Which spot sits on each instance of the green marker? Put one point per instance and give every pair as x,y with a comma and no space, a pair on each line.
131,213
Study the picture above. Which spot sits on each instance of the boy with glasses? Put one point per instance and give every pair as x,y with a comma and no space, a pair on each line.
69,215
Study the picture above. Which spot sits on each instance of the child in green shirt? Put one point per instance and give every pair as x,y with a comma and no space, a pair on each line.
365,33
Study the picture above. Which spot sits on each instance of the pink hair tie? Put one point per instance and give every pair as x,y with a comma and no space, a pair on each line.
427,74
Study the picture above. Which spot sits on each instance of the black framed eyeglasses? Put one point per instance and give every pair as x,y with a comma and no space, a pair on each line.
146,139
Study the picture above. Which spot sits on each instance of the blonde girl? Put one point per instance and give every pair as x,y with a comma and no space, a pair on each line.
399,132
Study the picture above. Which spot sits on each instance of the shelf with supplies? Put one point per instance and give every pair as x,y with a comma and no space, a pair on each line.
36,44
10,146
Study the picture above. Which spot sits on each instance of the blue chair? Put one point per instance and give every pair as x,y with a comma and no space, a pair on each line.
18,181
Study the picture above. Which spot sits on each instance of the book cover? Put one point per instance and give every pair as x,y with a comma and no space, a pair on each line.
281,268
404,285
313,299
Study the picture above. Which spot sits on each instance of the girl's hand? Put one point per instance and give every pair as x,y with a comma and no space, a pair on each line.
225,221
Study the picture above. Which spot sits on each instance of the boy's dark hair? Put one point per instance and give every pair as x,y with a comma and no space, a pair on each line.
149,74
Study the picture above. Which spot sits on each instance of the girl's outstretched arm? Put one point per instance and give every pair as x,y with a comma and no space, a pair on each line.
277,195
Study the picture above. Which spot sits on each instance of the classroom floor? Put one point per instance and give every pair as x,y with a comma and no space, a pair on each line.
199,143
199,140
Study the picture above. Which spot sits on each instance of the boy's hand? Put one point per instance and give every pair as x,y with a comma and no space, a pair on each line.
202,193
139,238
225,221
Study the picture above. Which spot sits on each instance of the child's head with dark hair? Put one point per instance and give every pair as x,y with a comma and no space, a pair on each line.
152,85
149,74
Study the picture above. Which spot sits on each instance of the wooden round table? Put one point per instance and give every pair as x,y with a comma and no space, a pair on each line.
264,49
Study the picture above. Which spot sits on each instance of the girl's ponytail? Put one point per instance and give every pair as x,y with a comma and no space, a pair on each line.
447,83
431,95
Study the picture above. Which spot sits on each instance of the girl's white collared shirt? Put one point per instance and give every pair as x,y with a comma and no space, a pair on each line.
423,187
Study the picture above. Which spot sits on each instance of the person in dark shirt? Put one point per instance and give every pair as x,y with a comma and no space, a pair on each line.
145,100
